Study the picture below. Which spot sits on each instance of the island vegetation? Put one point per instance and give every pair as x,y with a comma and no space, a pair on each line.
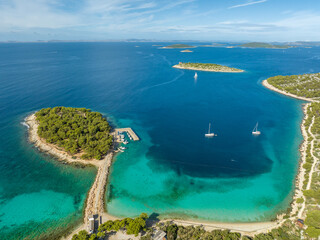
210,67
76,130
179,46
263,45
306,85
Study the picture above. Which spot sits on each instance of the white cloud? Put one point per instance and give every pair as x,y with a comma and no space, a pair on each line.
34,14
302,20
247,4
149,18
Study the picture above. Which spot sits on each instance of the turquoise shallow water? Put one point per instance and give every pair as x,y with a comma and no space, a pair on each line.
173,170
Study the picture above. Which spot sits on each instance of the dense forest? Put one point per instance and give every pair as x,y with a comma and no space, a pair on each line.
306,85
77,130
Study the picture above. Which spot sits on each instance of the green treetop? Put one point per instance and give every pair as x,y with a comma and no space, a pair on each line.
77,130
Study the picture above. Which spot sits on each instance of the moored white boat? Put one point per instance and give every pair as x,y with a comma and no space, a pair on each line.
209,134
255,130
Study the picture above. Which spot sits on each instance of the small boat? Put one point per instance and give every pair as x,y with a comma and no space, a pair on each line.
195,75
125,142
122,148
209,134
255,130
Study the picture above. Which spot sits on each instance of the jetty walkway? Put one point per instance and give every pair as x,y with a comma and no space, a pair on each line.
128,131
95,199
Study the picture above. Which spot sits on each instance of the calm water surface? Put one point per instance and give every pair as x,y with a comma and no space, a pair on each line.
173,170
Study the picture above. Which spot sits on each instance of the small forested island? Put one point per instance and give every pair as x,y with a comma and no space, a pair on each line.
76,130
210,67
263,45
179,46
306,85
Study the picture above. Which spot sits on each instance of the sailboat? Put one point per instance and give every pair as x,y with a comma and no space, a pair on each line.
255,130
209,134
195,75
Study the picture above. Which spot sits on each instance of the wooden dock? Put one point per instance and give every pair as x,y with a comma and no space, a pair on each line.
129,131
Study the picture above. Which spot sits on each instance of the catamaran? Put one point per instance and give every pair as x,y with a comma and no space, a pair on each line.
255,130
209,134
195,75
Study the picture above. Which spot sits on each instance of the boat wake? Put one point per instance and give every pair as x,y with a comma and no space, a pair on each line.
165,83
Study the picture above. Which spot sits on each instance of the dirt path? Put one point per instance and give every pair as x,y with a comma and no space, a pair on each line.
315,159
95,199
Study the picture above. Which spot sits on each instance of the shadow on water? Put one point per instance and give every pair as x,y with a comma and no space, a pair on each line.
222,164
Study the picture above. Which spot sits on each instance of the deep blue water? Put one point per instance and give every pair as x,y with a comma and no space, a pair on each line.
173,170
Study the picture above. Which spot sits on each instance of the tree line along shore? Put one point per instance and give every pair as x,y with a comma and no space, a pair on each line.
209,67
77,130
95,131
306,87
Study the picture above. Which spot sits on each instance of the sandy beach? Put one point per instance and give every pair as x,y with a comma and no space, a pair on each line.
95,199
206,70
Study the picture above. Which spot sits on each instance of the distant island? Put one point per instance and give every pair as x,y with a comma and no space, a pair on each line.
179,46
209,67
263,45
187,50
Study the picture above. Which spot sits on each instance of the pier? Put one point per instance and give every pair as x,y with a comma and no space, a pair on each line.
129,131
95,199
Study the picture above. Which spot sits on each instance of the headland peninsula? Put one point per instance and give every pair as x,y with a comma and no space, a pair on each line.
208,67
80,137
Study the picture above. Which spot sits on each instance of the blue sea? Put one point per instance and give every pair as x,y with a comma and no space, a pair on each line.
174,171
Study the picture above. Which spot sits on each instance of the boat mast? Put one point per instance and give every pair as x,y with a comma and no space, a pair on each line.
209,127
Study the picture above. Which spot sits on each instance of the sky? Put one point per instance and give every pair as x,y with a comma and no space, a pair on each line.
206,20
